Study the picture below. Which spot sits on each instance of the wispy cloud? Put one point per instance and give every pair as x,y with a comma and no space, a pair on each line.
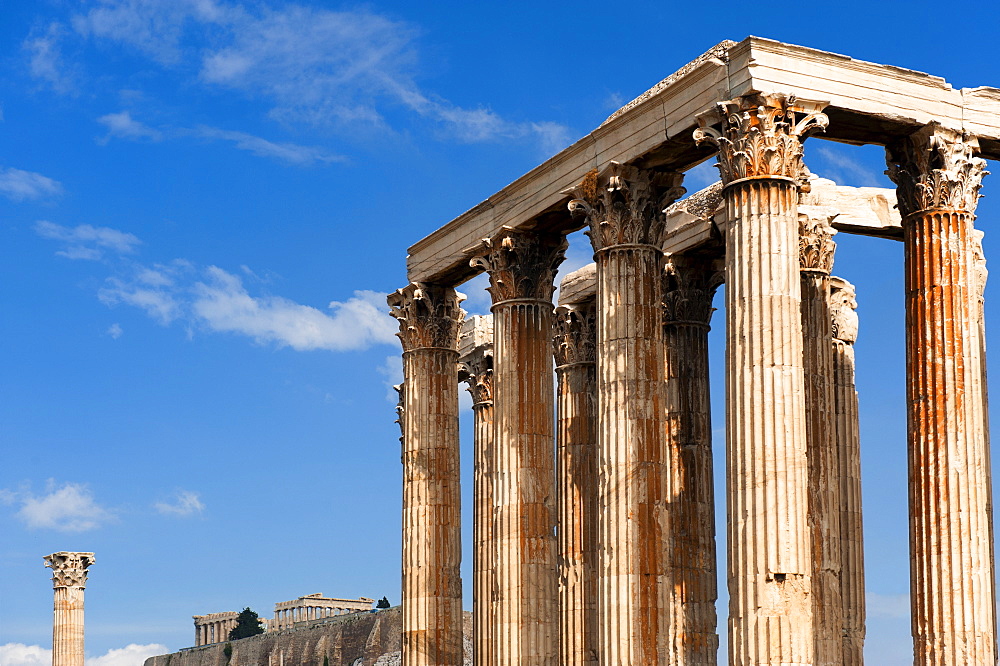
85,241
19,654
888,605
69,507
45,59
318,66
114,331
839,165
121,125
286,152
222,303
18,185
185,503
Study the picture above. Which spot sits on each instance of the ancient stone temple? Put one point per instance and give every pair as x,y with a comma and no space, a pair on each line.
595,536
69,578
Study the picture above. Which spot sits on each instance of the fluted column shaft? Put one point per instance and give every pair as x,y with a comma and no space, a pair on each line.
816,250
770,554
521,267
476,369
687,299
576,483
951,578
848,472
69,578
432,546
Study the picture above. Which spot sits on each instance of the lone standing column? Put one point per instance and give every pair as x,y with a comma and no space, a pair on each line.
624,208
688,288
69,578
816,251
951,552
848,475
574,343
522,267
429,317
770,556
476,369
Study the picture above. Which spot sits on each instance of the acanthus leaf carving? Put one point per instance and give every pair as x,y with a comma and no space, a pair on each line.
521,264
574,334
816,244
429,315
69,569
936,168
625,205
476,370
843,306
689,285
761,137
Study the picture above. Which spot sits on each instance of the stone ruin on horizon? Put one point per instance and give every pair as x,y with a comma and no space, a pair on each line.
594,534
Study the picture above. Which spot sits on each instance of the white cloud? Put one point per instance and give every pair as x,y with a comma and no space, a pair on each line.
157,290
67,508
114,331
85,241
840,166
121,125
287,152
888,605
314,65
45,60
185,503
19,654
18,185
222,304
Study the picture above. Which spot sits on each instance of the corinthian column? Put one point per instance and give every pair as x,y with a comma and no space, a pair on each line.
475,367
69,578
951,573
816,249
522,267
624,210
429,317
688,288
770,555
573,344
848,471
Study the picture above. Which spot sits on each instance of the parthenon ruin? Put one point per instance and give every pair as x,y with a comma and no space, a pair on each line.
594,532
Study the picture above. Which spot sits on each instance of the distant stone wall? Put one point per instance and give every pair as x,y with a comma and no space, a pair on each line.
362,639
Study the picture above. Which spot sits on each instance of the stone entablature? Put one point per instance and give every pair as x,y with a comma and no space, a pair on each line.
310,607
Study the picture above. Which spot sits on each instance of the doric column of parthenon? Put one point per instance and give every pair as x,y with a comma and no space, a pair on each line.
848,471
624,209
476,369
689,285
770,555
573,341
429,318
938,178
69,578
816,250
521,268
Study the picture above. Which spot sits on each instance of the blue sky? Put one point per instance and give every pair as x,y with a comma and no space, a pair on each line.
203,203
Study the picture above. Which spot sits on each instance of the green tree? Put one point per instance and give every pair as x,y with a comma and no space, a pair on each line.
382,603
247,625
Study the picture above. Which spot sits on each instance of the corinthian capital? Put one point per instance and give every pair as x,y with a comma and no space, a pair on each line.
689,284
475,361
936,168
624,204
842,310
69,569
521,264
761,136
429,315
574,334
816,245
